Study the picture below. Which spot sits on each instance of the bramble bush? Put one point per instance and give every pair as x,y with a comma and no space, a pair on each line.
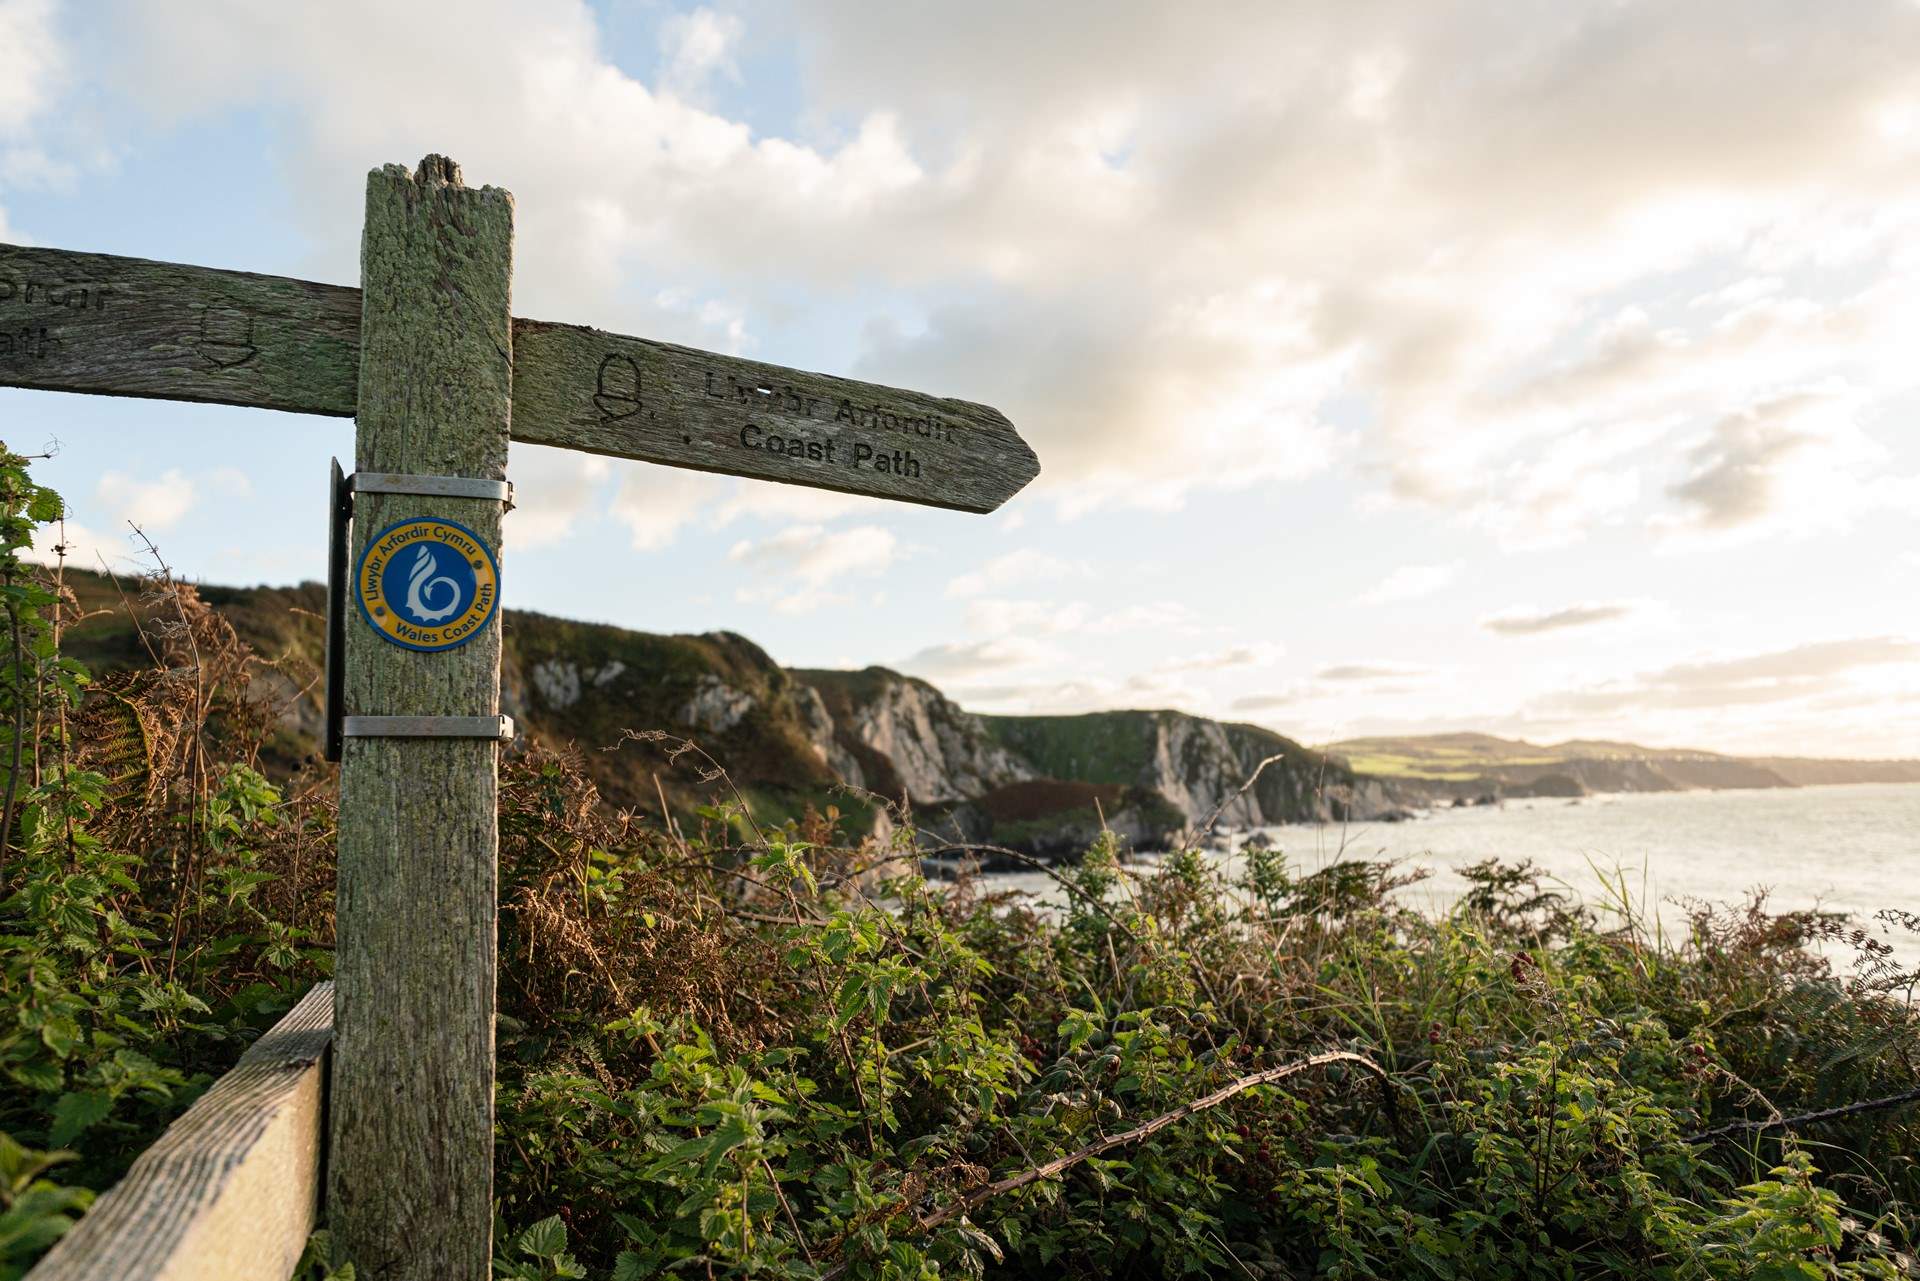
790,1055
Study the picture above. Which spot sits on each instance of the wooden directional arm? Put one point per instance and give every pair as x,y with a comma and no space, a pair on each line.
580,388
129,327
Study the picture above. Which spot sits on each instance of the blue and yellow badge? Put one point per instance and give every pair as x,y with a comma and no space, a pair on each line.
427,584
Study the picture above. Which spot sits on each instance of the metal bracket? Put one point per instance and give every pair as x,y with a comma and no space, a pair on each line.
340,726
383,482
339,512
494,727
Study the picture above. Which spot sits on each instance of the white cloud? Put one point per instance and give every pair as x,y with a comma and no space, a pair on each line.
1012,569
554,489
153,505
1796,463
969,660
1411,582
807,567
1529,620
82,546
1169,616
695,47
1774,700
35,68
655,503
790,502
813,555
35,63
1165,278
1259,654
997,616
1370,670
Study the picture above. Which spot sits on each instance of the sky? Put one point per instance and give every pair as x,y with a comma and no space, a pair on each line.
1395,366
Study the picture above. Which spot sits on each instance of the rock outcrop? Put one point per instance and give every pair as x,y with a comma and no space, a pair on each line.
910,740
1203,767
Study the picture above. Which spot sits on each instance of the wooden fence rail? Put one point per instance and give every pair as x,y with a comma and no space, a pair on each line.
232,1189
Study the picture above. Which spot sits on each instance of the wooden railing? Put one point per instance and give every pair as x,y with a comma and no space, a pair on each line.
232,1189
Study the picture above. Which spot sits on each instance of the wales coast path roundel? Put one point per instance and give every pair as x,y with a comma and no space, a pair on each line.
427,584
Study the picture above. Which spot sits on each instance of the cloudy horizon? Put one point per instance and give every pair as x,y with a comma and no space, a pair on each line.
1394,366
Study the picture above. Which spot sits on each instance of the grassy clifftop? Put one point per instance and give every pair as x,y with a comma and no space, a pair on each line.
1197,763
1481,762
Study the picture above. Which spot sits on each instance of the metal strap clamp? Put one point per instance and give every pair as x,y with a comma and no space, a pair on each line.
385,482
493,727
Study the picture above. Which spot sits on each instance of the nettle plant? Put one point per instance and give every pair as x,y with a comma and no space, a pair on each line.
145,934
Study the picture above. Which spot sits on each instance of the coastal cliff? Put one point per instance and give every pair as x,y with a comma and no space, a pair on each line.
855,744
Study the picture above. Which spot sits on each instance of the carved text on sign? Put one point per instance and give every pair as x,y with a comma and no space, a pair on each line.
34,341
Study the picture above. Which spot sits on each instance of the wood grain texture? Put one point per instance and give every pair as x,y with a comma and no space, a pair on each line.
129,327
410,1166
125,326
579,388
231,1190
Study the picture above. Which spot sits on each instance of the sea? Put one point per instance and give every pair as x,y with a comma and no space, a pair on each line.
1852,849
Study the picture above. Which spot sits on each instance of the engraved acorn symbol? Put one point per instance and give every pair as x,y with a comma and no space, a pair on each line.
225,340
617,395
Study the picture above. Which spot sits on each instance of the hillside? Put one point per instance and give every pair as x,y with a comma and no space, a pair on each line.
798,740
1475,765
1198,764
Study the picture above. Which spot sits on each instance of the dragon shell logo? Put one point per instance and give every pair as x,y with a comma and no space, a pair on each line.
427,584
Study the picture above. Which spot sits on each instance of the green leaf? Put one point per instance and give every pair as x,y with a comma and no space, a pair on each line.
544,1239
75,1113
628,1266
44,506
723,1140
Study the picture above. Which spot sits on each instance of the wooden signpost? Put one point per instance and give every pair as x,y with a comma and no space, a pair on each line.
428,358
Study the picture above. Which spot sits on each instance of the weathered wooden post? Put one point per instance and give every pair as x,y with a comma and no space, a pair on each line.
410,1162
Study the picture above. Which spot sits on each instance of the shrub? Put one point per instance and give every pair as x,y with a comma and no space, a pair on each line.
758,1049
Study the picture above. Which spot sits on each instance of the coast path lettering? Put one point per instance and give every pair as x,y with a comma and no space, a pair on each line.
129,327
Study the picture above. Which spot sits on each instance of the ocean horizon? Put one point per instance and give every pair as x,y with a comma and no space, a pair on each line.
1846,848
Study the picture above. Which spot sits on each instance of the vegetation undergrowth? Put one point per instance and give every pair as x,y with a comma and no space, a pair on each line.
729,1049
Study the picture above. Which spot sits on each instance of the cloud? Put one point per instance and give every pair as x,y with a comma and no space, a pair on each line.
1169,241
655,503
36,69
1264,702
696,47
812,567
1524,620
1013,569
1411,582
1811,660
153,505
762,501
1071,697
811,554
36,63
1262,654
1797,462
997,616
554,489
1374,671
1164,616
968,660
1769,677
81,545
